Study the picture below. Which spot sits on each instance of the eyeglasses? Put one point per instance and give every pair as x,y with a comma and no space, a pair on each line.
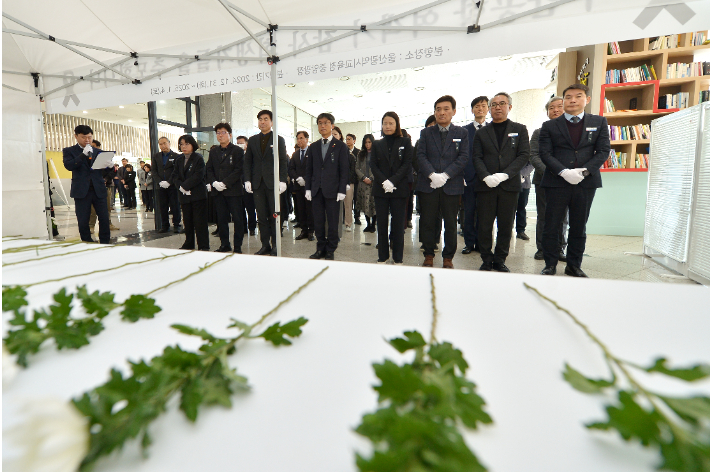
496,105
222,133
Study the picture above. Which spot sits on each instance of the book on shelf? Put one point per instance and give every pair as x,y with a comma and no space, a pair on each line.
664,42
629,133
633,74
641,161
616,160
614,48
680,70
674,100
704,96
699,39
608,106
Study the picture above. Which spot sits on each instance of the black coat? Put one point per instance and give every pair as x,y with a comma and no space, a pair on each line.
510,158
130,179
226,166
296,169
190,177
258,166
394,165
558,153
159,172
81,172
329,173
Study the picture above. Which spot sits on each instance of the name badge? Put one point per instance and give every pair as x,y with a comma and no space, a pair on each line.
459,140
512,135
402,147
591,129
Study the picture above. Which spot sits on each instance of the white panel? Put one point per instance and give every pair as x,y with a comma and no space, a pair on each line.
22,190
699,256
670,183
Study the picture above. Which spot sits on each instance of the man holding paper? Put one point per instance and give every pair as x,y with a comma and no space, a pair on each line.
87,184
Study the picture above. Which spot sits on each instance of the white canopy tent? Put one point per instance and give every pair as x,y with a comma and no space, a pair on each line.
79,54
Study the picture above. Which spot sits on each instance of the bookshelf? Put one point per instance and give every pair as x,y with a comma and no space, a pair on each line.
638,53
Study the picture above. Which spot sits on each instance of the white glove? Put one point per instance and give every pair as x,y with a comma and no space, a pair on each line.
580,171
164,184
301,181
219,186
282,187
388,186
308,195
492,181
340,197
572,176
247,187
522,179
347,187
502,177
464,183
185,192
437,180
88,150
209,187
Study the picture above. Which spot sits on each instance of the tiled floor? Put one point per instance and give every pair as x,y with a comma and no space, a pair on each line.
606,257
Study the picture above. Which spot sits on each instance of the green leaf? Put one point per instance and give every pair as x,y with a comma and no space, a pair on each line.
693,410
397,383
469,405
414,340
192,395
585,384
26,340
189,330
689,374
445,352
13,298
240,325
632,421
685,456
139,306
275,333
99,304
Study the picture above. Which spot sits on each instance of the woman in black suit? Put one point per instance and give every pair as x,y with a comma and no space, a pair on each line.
189,178
391,166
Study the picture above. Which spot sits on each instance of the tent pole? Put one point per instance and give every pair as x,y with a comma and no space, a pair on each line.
275,152
45,167
46,94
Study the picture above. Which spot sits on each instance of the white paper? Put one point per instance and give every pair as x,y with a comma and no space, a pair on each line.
103,160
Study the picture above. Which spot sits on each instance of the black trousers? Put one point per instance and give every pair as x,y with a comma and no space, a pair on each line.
230,205
521,214
433,206
470,226
249,219
410,205
356,212
130,199
492,204
82,208
540,203
579,201
326,208
147,198
168,199
195,214
304,211
397,207
264,202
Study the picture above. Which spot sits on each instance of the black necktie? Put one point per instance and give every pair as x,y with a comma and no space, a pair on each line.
575,119
325,141
444,133
302,153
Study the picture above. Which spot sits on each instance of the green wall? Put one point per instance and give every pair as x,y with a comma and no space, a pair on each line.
619,207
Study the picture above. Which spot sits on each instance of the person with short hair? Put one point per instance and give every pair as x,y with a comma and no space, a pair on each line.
129,179
140,173
259,179
297,172
225,170
88,188
148,195
350,140
122,186
248,198
442,154
573,147
349,189
479,108
188,177
327,173
167,195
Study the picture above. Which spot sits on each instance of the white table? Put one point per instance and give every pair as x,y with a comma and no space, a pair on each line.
307,398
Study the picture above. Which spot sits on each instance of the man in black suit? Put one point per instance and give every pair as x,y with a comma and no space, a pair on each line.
350,140
163,163
88,188
225,169
500,150
248,198
259,179
297,172
442,153
327,172
479,108
573,147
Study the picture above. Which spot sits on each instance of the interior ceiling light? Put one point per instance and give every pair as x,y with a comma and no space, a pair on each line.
85,111
120,106
505,58
419,89
311,83
345,77
418,69
130,121
162,101
358,96
290,85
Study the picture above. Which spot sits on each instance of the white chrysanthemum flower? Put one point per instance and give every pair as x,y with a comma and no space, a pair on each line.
9,367
53,436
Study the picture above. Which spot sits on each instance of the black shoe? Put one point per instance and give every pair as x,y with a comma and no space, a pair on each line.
357,221
329,256
274,253
176,229
486,266
317,255
475,248
539,256
297,225
523,236
252,232
311,237
215,232
500,267
574,271
409,225
467,250
237,251
224,249
186,248
264,251
562,257
303,235
549,270
164,230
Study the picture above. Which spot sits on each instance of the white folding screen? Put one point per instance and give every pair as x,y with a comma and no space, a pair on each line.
699,255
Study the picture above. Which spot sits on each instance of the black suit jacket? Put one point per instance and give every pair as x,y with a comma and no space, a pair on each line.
190,176
81,172
159,172
510,158
394,165
449,159
228,170
328,173
258,166
297,168
558,153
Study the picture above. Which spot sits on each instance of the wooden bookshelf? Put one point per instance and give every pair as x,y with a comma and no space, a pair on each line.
635,53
